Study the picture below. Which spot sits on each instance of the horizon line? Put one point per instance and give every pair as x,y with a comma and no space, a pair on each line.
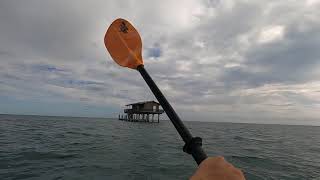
115,118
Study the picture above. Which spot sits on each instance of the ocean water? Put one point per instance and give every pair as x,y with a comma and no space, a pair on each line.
38,147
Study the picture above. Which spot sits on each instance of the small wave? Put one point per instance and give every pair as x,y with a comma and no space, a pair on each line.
247,157
266,163
35,155
254,160
79,133
241,138
314,149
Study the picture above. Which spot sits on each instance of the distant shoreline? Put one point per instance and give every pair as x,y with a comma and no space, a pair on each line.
56,116
116,118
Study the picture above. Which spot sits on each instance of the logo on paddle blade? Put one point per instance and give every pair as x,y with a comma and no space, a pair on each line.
123,27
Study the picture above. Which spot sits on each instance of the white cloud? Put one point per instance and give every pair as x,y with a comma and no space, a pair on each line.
312,2
270,34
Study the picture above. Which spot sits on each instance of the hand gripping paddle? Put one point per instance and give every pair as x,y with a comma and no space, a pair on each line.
124,44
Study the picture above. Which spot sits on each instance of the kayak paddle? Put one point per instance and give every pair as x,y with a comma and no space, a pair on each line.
124,44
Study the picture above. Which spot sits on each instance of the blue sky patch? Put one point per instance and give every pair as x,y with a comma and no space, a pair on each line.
46,67
82,82
154,52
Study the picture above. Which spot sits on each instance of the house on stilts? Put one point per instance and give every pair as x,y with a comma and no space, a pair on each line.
142,112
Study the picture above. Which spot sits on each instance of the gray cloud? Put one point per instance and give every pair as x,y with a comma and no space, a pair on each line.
223,59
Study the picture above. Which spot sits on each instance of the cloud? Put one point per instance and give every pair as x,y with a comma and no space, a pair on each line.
223,59
270,34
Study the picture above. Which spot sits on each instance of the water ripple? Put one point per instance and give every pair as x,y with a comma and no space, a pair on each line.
35,147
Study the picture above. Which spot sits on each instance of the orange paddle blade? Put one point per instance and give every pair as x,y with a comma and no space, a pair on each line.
124,44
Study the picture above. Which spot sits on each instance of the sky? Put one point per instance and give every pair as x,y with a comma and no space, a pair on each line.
226,61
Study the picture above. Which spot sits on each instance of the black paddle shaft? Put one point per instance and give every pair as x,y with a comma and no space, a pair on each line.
193,144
